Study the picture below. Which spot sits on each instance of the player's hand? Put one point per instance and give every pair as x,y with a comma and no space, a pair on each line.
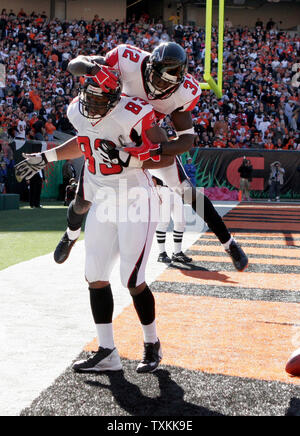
32,164
110,154
142,148
106,77
157,151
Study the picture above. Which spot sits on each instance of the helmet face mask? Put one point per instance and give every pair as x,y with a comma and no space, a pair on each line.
165,70
94,103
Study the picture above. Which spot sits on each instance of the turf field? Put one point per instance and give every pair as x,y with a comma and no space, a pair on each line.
28,233
226,335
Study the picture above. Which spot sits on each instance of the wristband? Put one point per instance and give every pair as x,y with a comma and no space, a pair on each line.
186,132
51,155
135,163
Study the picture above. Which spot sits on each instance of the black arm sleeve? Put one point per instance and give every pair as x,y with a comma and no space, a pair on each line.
84,64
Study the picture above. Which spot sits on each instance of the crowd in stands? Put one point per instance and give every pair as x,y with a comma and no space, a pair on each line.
260,107
6,165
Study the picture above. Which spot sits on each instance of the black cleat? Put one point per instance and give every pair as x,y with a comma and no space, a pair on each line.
181,258
151,359
164,258
104,360
63,249
238,257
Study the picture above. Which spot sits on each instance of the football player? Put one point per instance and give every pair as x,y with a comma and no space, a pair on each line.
161,79
171,207
101,119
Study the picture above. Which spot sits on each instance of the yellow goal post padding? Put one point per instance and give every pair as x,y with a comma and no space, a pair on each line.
210,83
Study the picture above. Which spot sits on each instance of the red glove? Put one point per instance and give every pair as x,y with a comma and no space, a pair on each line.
106,78
142,152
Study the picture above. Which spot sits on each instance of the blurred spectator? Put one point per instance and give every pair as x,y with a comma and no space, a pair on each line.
270,24
275,180
268,144
64,124
38,128
259,23
245,171
228,23
20,131
21,13
3,177
263,126
190,170
50,129
35,189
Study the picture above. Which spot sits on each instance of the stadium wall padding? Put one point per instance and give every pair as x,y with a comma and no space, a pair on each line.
215,168
219,167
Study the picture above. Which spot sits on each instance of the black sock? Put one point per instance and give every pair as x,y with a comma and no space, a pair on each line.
161,240
144,304
177,238
74,220
102,305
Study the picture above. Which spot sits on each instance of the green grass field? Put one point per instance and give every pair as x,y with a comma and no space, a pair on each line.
27,233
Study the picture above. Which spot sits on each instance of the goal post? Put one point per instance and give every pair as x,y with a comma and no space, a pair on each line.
210,83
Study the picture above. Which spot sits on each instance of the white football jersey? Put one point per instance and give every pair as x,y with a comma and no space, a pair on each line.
130,60
130,114
21,129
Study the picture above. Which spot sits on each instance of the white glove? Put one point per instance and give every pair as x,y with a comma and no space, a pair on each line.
32,164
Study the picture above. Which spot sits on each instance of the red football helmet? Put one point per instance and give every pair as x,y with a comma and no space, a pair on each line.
98,96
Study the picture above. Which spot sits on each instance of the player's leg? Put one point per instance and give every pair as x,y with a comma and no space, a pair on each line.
177,213
135,240
162,227
76,213
102,250
176,178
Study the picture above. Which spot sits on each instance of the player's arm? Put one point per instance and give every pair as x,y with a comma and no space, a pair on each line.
82,65
165,161
37,161
157,135
122,156
65,151
183,124
94,65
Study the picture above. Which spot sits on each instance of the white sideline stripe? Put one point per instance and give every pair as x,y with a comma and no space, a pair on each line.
46,320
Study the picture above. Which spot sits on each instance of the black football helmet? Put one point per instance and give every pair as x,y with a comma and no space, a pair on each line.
94,103
165,70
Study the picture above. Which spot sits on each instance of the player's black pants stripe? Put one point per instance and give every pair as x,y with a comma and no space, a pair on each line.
210,215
